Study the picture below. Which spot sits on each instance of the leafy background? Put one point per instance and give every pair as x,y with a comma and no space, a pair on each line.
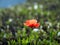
15,33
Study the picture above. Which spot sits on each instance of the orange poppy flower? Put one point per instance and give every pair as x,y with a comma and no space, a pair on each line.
32,23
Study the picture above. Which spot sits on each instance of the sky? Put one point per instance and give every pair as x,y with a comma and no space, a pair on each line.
9,3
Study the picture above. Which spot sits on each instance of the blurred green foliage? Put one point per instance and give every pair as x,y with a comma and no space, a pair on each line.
21,13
